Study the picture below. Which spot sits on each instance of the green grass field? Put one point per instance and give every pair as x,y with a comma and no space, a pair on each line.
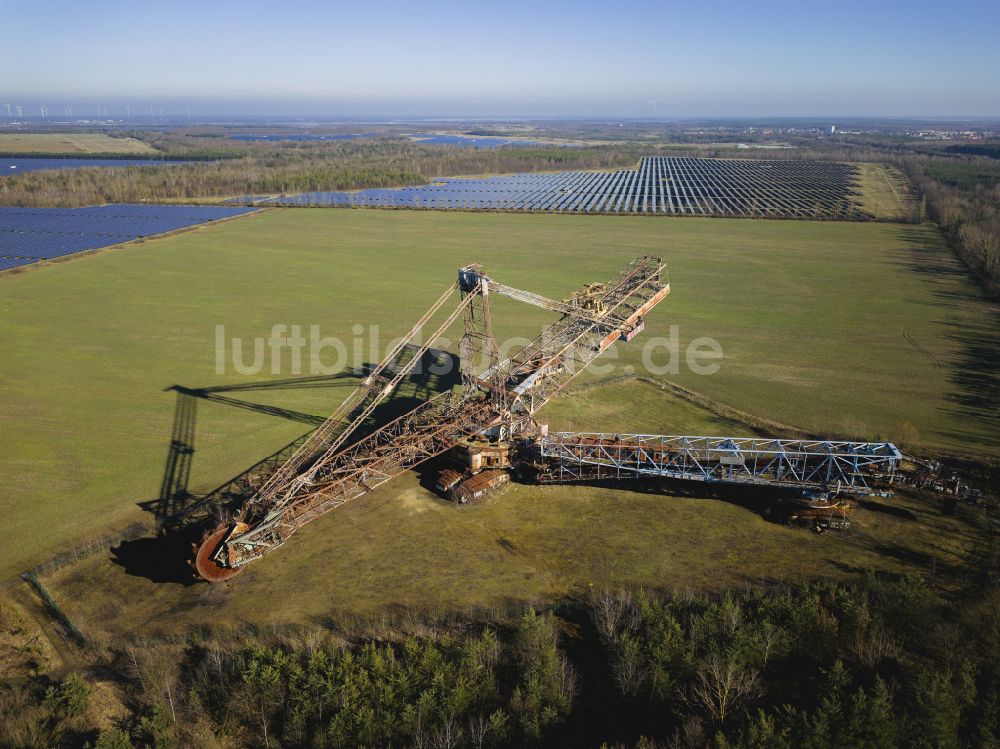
401,552
70,143
849,329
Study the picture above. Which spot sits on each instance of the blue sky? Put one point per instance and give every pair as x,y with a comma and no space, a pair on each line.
726,58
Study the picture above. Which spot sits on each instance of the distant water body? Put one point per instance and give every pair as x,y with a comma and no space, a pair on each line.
429,138
301,136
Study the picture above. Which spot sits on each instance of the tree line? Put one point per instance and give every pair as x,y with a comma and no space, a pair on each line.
476,689
253,168
962,195
874,663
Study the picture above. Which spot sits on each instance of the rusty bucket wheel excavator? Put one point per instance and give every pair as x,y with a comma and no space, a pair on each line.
488,426
205,564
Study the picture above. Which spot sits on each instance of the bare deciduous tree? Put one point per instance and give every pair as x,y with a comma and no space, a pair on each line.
610,614
629,671
721,685
875,645
477,727
768,635
448,734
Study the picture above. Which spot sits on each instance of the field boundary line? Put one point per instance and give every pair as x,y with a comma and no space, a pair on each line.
88,549
55,611
710,404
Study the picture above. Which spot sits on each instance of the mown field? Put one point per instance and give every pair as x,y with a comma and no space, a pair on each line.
885,192
401,554
848,329
69,143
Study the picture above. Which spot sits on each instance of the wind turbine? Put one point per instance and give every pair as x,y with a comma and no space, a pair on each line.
20,111
128,112
8,111
45,111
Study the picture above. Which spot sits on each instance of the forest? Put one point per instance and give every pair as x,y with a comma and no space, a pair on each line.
963,196
879,662
251,168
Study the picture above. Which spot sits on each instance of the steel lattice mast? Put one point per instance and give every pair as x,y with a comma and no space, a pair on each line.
331,469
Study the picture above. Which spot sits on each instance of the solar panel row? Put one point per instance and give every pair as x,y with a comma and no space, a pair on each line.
6,263
112,210
11,167
30,234
718,187
113,226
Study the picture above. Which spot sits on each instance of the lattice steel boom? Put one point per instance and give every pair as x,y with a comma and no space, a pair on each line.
336,465
850,467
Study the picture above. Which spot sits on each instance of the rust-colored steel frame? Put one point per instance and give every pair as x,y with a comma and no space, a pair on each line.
329,470
338,426
550,362
478,346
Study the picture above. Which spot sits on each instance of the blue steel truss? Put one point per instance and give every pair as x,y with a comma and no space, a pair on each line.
850,467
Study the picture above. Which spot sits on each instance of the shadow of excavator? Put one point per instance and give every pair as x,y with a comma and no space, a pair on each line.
182,515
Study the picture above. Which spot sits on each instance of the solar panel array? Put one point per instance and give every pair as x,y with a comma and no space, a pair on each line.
6,263
31,234
663,185
11,167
